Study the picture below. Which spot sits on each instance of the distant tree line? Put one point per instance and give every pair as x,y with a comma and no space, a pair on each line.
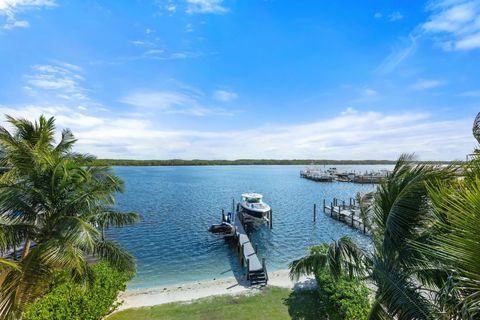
199,162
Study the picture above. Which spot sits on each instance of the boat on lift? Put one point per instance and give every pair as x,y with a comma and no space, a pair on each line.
252,206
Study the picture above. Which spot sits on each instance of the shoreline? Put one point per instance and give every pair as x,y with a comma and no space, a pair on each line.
246,162
191,291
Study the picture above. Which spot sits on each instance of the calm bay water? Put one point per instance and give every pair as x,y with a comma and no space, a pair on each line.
178,204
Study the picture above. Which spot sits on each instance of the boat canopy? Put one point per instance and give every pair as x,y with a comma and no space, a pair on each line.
252,197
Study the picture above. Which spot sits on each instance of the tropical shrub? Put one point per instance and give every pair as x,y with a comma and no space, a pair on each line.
343,298
69,300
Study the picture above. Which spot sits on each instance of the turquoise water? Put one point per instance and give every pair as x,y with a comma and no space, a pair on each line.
178,204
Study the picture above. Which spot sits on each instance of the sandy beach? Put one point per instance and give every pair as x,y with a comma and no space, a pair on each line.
201,289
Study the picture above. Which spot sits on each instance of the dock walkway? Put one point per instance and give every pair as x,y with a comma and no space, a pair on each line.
256,271
248,251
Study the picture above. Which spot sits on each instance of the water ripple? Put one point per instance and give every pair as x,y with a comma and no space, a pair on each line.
178,204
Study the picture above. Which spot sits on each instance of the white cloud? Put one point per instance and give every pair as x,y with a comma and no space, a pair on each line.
160,100
474,93
452,24
142,43
455,24
206,6
171,102
398,54
350,135
424,84
224,96
11,8
63,78
159,54
349,111
395,16
65,116
392,17
16,24
369,92
469,42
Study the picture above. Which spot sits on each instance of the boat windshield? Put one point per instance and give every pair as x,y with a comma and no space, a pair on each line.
252,200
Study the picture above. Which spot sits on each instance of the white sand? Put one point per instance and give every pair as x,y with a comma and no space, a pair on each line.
192,291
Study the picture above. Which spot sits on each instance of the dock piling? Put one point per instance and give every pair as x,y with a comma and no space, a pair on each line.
264,267
271,219
314,212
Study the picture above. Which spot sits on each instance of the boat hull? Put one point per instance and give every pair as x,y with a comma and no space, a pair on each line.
257,214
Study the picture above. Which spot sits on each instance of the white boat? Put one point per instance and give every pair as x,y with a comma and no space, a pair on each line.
253,207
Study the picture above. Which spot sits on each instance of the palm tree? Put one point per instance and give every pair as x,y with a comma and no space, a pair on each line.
341,257
455,242
400,214
52,198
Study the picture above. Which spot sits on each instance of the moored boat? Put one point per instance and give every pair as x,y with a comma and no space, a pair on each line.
224,229
253,206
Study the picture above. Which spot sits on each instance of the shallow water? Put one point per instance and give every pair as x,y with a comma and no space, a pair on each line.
178,204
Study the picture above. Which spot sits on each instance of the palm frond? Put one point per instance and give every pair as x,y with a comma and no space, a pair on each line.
117,257
316,260
107,217
398,295
456,242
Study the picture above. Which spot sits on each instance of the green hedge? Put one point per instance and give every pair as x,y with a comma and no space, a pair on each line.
69,301
343,298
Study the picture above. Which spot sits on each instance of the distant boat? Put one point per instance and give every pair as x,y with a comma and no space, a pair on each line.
252,206
332,170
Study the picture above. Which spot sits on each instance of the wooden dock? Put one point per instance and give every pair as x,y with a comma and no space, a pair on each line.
256,271
346,213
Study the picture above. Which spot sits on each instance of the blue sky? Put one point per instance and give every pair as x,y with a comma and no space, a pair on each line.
232,79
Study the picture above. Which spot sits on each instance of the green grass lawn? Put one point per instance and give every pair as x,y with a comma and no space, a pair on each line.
272,303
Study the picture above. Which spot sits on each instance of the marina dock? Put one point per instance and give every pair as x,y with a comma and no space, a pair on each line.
330,175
